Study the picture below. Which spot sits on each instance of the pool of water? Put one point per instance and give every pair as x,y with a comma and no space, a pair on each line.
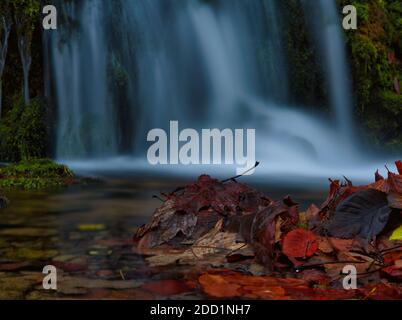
86,232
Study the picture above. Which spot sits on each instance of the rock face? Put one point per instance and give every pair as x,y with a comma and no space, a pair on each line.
3,202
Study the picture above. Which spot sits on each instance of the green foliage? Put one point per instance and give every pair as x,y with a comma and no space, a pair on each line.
27,8
392,102
305,71
377,38
35,174
384,123
362,12
23,132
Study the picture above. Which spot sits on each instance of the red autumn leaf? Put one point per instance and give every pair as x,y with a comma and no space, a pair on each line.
395,182
399,166
395,272
378,176
216,286
381,291
392,256
259,229
267,293
380,185
333,191
193,210
228,284
167,287
339,192
300,243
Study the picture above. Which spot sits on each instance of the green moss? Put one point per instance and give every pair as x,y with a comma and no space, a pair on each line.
377,38
23,132
392,102
383,125
362,12
35,174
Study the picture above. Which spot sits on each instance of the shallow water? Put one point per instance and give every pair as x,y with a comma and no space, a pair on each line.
48,227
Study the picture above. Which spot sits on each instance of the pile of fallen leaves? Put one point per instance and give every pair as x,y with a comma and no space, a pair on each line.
240,243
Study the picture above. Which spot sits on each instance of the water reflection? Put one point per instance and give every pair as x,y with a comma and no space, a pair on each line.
86,231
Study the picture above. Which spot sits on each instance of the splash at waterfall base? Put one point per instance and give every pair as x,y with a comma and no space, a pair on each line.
191,153
238,243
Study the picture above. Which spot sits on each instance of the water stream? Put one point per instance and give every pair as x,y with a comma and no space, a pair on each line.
130,66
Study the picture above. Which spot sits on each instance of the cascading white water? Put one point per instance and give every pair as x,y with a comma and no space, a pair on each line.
327,27
85,116
205,63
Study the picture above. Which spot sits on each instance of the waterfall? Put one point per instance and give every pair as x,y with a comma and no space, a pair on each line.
85,117
327,24
206,63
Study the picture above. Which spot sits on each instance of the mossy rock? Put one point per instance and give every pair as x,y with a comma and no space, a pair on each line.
35,174
392,102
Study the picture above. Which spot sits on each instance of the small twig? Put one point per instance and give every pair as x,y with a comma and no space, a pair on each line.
244,173
122,275
371,264
390,249
375,256
233,251
210,247
159,198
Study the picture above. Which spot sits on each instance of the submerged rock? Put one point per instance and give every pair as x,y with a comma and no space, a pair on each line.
3,202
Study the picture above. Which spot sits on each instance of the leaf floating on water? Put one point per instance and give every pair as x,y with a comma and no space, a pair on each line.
91,227
397,234
365,214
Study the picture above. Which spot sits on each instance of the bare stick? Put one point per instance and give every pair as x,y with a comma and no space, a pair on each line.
257,163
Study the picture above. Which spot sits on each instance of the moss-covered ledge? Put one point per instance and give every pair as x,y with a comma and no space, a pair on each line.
35,175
